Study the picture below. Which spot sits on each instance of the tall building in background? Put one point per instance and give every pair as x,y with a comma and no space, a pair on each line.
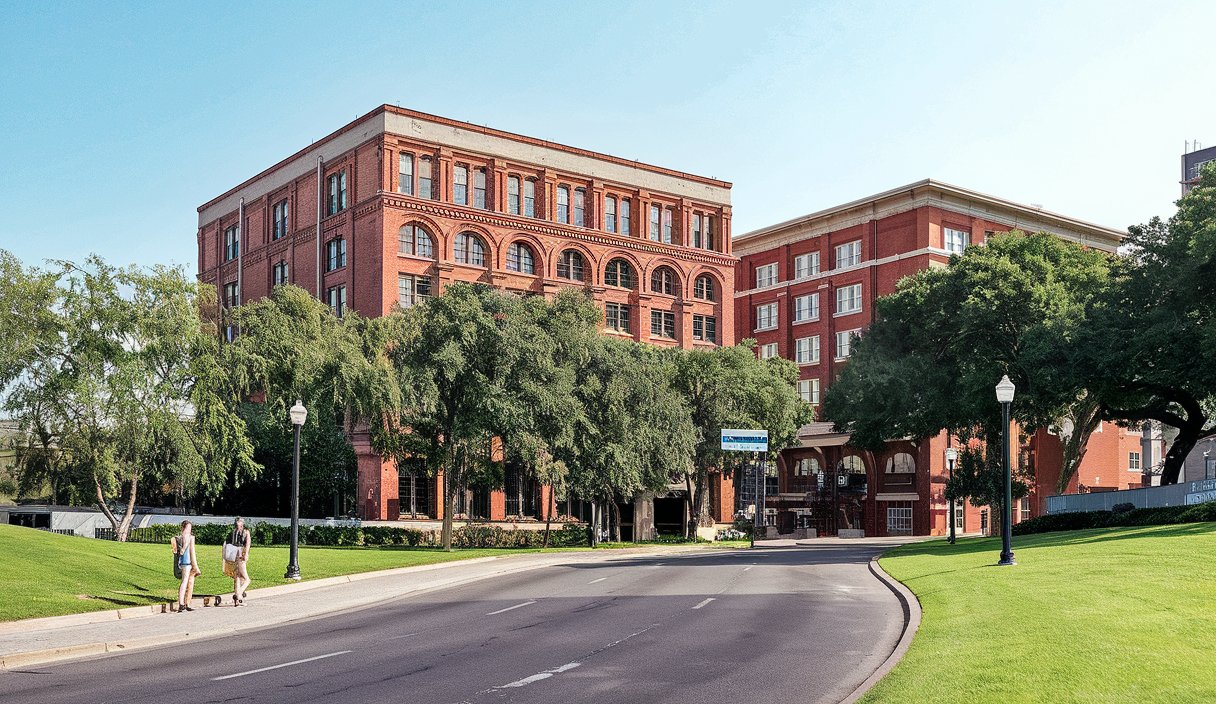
1192,162
398,204
806,287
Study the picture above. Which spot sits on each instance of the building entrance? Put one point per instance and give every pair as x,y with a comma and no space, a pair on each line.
831,501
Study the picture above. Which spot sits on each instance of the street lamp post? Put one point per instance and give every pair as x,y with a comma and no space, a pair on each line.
1004,395
298,414
951,457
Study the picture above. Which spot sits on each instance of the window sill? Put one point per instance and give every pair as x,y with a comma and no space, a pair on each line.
843,313
808,320
771,327
840,359
808,364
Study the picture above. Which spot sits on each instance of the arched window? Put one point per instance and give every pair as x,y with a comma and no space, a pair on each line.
563,204
704,288
610,214
901,463
851,464
571,265
519,258
663,280
806,466
413,239
619,273
470,249
425,182
513,195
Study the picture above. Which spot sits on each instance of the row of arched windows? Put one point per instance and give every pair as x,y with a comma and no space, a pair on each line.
571,264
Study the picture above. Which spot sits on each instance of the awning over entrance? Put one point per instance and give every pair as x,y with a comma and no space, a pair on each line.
821,435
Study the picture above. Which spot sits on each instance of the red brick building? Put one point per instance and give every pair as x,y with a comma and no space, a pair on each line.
803,287
398,204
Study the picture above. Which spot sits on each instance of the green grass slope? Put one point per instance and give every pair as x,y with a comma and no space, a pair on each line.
1109,615
43,574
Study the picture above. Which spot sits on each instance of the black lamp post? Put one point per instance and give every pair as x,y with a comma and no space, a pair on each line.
951,457
298,414
1004,395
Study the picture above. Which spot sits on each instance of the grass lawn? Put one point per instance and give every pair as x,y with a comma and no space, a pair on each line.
43,574
1110,615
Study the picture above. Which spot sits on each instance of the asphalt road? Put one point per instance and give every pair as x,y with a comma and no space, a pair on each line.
776,625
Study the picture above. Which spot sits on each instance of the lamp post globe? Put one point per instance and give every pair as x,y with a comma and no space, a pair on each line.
1005,390
951,458
298,414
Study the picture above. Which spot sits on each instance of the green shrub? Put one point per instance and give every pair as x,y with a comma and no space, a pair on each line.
1125,517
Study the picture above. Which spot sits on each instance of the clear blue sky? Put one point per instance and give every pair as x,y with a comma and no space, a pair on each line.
120,119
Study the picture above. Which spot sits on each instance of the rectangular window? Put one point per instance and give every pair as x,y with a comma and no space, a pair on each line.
709,232
848,254
766,316
232,243
625,216
848,299
529,198
667,229
563,204
335,296
616,317
411,290
808,391
580,207
806,308
405,182
1024,509
610,214
768,351
899,520
479,188
956,240
654,223
337,193
663,324
279,220
513,195
232,295
278,274
705,328
766,275
335,254
844,343
806,265
460,185
425,182
696,230
1133,461
1209,468
807,351
959,515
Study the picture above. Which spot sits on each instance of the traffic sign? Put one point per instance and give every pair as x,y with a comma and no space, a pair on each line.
743,440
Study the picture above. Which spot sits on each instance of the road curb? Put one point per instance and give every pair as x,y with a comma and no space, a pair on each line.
49,655
912,614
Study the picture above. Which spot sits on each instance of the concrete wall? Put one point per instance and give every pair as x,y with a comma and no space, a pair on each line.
1184,494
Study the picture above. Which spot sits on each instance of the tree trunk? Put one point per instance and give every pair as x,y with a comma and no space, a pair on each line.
550,508
690,522
1087,418
1175,458
616,521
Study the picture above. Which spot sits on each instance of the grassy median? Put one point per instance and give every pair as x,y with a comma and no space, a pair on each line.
43,574
1112,615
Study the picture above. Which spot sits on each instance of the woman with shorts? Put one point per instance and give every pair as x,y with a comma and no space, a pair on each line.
240,576
187,559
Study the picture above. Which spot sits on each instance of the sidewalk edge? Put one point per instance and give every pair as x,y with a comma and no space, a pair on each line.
912,615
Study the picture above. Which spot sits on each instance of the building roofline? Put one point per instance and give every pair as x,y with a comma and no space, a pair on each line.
930,184
404,112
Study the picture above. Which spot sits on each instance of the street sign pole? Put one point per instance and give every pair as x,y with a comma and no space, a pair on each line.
763,461
753,530
755,442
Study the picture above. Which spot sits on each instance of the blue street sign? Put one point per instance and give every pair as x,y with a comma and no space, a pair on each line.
744,440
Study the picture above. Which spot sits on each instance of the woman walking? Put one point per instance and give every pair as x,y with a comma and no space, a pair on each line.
240,576
187,560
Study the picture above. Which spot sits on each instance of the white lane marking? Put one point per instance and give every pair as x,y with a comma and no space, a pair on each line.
704,603
747,568
275,667
511,608
541,675
597,580
407,635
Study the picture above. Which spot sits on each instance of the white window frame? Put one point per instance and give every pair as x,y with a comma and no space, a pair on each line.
848,254
1133,462
766,275
808,391
848,343
955,241
809,311
769,350
766,316
900,516
807,350
848,296
806,265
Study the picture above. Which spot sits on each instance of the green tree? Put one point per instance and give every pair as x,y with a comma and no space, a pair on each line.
1149,350
931,359
27,315
127,390
728,387
635,432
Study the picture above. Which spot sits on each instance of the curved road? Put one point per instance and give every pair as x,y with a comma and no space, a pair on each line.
805,624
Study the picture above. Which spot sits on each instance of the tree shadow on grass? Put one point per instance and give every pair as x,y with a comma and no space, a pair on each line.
968,546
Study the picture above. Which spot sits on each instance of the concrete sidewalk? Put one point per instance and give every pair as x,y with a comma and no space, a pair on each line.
35,641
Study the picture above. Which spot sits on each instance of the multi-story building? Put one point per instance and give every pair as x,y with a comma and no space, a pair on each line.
1192,164
805,287
398,204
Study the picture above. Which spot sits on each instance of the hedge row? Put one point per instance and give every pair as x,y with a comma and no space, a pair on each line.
1120,518
568,535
